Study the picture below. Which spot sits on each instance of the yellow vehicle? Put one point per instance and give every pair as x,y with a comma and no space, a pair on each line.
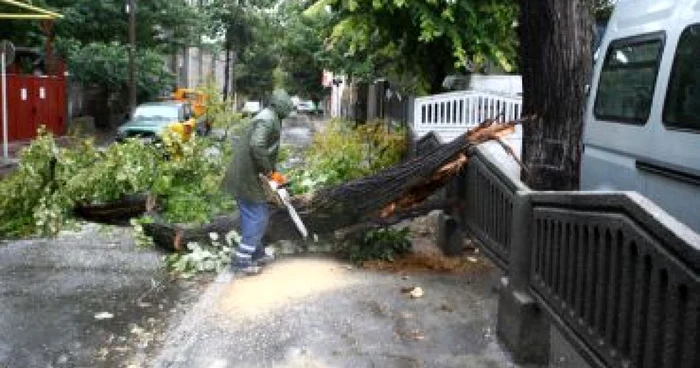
197,100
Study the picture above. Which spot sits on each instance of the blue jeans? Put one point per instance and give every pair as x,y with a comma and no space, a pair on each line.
254,220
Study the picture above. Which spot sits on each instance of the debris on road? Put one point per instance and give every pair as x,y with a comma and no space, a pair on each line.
414,291
103,315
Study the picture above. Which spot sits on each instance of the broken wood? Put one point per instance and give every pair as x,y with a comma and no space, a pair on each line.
393,193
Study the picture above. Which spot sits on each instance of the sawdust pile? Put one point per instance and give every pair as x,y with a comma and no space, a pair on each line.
282,283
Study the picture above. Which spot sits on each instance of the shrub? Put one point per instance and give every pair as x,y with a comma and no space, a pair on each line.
381,244
40,196
342,152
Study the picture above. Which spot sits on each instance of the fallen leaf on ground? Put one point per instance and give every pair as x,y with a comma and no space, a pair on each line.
103,315
417,292
417,335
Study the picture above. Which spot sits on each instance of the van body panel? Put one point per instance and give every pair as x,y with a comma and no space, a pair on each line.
646,156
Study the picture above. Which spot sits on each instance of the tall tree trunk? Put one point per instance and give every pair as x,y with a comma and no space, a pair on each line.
227,70
556,62
234,85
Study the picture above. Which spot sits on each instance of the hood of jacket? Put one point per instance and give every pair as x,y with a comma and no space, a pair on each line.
281,103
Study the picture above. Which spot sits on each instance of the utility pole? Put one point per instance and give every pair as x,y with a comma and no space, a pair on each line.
131,8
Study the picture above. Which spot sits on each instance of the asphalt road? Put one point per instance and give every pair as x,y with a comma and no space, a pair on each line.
318,312
91,298
85,299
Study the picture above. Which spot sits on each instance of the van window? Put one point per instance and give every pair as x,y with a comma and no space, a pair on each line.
627,80
682,107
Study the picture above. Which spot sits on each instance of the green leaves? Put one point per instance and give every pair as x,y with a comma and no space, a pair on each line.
207,257
40,197
301,47
159,23
418,42
106,64
382,244
341,153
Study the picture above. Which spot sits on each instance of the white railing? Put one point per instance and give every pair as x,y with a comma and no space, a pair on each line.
451,114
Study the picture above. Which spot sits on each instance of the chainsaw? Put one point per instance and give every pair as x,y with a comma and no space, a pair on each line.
281,196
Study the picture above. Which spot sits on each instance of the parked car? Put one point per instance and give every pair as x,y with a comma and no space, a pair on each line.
251,108
306,107
642,122
151,120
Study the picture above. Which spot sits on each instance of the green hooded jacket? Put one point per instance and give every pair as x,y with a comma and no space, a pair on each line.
256,152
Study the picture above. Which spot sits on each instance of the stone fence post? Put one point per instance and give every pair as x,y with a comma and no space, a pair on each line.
522,325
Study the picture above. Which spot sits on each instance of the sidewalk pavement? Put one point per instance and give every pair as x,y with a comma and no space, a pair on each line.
312,311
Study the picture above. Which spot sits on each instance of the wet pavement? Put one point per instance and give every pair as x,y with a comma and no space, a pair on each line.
85,299
92,298
319,312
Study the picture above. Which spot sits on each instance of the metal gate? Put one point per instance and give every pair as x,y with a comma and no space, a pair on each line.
33,101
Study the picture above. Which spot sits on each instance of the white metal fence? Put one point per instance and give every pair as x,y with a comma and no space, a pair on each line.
451,114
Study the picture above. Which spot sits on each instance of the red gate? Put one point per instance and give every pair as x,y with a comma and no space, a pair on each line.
32,102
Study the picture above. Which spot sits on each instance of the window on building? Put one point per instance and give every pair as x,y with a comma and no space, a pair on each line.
626,85
682,106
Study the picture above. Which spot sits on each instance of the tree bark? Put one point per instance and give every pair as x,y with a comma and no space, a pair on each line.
227,70
556,62
234,85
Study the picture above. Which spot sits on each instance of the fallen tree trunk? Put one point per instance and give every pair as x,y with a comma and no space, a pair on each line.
393,193
120,210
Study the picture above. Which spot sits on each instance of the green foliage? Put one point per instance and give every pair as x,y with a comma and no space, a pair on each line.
158,22
379,244
94,176
300,47
342,152
189,185
27,195
207,257
385,144
603,8
219,112
140,238
92,38
416,43
40,196
240,23
106,64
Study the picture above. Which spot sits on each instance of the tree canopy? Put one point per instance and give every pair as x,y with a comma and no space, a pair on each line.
417,43
92,38
301,49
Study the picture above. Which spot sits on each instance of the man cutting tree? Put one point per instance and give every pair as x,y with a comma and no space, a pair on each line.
255,155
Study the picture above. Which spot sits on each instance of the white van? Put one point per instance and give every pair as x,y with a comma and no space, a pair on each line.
642,123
